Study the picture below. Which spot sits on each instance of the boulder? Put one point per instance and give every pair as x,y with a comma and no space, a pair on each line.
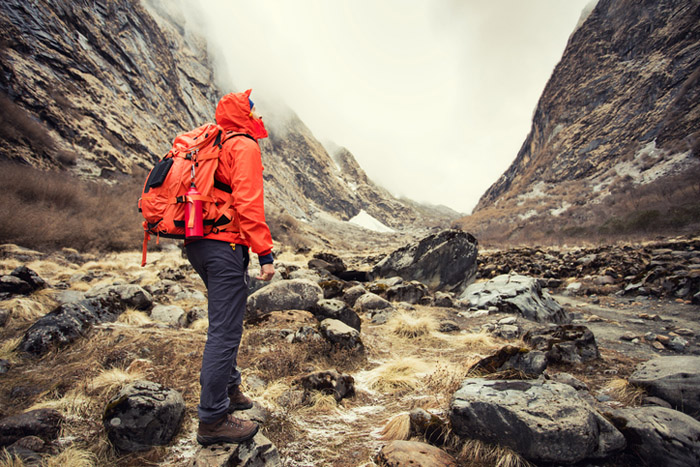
43,423
674,379
428,426
169,314
370,302
142,415
409,292
444,300
545,422
332,288
444,261
329,382
659,435
516,294
510,357
337,332
132,295
413,453
337,309
330,263
296,294
256,452
351,295
567,343
68,322
21,281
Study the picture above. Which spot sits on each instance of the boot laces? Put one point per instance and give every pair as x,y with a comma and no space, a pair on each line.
233,422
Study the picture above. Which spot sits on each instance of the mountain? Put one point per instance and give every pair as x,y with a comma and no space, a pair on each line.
615,137
99,89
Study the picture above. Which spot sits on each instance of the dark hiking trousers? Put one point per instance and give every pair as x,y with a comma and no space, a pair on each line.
222,267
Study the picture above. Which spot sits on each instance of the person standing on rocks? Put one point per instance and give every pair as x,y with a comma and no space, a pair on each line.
221,260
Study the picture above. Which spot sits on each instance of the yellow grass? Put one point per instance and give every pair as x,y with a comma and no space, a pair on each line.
25,310
200,325
398,376
72,457
7,460
479,453
73,404
398,428
622,391
109,381
410,325
8,349
135,318
321,403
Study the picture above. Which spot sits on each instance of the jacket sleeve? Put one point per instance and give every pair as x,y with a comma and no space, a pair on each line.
248,195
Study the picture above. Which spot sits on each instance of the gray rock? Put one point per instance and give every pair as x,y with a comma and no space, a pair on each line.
169,314
444,261
68,322
142,415
674,379
256,452
566,378
43,423
410,292
341,334
329,382
516,294
133,296
337,309
507,331
660,436
542,421
444,300
351,295
4,366
510,357
370,302
568,343
677,343
297,294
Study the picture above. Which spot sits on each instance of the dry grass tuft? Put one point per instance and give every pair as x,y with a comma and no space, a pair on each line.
75,404
447,378
321,403
25,310
7,459
479,342
398,428
135,318
200,325
8,349
475,452
397,376
409,325
624,392
71,457
110,381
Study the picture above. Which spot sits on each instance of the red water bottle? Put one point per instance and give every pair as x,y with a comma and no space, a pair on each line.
194,225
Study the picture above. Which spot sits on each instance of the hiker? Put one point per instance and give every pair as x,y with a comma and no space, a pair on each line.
221,260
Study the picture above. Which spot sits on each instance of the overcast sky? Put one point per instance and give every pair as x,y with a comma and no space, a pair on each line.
433,97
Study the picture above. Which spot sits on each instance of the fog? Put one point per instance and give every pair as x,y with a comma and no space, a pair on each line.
433,97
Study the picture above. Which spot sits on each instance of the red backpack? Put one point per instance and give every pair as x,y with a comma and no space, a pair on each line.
193,159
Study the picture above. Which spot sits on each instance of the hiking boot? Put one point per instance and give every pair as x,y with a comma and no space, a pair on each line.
238,400
228,429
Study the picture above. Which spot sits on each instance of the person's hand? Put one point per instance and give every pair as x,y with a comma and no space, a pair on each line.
266,272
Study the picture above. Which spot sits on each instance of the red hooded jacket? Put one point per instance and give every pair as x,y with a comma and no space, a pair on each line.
240,166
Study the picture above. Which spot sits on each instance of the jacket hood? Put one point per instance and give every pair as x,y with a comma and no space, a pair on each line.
233,113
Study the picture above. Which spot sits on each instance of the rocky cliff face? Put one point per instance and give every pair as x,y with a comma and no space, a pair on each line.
107,84
620,113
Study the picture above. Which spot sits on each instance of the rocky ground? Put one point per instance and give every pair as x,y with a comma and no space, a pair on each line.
353,373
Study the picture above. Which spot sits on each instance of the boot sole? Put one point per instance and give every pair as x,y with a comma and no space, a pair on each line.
208,440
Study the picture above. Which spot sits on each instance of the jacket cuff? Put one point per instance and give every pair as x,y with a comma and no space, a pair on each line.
266,259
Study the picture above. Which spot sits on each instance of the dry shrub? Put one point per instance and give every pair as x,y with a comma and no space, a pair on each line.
72,457
398,428
135,318
397,376
8,459
447,378
46,210
321,403
624,392
410,325
478,342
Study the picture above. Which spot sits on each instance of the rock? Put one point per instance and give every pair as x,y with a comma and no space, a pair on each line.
296,294
370,302
516,294
334,264
545,422
444,261
351,295
68,322
170,314
444,300
507,331
413,453
4,317
566,378
4,366
256,452
659,435
143,415
329,382
332,288
43,423
510,357
677,343
21,281
341,334
568,343
449,326
133,296
337,309
410,292
674,379
428,426
304,334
